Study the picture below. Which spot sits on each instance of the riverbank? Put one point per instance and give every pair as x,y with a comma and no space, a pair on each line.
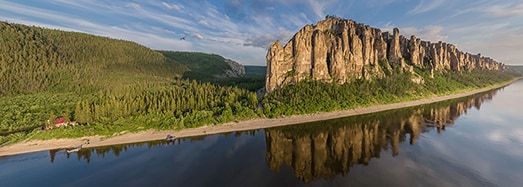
259,123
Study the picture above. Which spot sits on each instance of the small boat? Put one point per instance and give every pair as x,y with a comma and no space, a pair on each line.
170,138
74,149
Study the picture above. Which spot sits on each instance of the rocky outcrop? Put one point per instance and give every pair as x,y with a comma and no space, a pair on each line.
339,50
236,70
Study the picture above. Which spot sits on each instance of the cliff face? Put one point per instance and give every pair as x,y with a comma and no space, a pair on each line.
339,50
237,70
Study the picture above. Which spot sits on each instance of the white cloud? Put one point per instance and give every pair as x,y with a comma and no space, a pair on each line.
425,6
507,10
429,33
199,36
172,6
500,41
263,40
472,7
203,22
134,6
319,6
432,33
80,4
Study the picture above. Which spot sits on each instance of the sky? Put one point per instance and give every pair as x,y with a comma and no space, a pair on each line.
242,30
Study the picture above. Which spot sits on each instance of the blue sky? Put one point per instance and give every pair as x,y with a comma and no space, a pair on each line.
243,29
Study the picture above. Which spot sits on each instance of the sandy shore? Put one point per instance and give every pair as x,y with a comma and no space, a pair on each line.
94,141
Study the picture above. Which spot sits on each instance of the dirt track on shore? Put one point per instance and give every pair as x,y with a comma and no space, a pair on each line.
259,123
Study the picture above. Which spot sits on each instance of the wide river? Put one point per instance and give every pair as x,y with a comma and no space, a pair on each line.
473,141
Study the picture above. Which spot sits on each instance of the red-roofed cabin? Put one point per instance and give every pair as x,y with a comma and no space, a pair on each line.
60,122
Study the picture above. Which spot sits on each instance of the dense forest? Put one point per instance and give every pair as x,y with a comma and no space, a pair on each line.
103,82
212,68
34,59
114,86
314,96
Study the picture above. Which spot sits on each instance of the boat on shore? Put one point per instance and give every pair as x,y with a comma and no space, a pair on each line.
74,149
170,138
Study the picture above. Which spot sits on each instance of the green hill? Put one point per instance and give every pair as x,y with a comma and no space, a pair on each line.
109,84
214,69
203,67
517,69
256,70
34,59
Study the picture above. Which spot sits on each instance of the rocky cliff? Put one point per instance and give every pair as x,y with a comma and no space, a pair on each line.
339,50
237,70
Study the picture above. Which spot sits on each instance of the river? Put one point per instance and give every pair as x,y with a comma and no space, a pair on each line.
472,141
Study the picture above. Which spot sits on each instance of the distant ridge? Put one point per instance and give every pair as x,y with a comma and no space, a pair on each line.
204,66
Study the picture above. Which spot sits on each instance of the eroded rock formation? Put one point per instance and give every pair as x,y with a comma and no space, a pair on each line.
237,69
339,50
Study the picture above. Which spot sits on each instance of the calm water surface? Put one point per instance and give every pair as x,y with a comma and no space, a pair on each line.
474,141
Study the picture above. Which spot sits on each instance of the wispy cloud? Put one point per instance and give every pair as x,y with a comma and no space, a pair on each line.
318,7
134,6
425,6
507,10
264,40
471,8
432,33
203,22
480,29
199,36
172,6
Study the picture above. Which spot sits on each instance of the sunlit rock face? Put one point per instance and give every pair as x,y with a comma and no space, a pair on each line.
339,50
237,70
323,150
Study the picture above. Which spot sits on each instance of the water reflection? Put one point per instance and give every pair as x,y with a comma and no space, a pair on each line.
323,150
86,153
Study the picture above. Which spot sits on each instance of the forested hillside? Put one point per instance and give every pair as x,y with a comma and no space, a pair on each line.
106,82
214,69
312,96
204,67
517,69
34,59
256,70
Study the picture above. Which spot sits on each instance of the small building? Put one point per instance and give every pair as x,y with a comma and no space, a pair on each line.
58,122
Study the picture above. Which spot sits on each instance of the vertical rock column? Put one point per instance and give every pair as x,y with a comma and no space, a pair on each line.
395,49
274,58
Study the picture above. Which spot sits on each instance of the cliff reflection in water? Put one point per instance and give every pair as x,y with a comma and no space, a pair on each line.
319,150
328,148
